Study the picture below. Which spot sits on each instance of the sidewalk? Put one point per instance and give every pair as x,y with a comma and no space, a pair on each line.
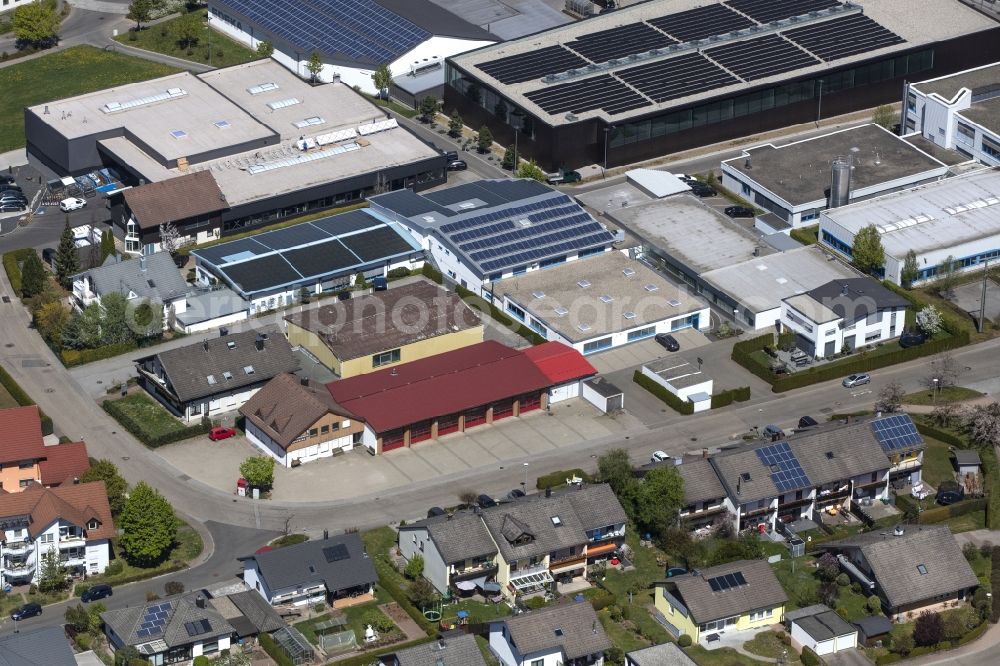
927,409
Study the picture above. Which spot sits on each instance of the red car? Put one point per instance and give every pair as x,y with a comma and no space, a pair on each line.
219,432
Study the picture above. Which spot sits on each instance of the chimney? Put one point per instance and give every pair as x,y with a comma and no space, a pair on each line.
199,601
843,290
76,480
704,453
548,492
204,343
326,534
304,381
259,342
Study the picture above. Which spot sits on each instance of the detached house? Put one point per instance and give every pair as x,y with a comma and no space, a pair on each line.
568,634
216,375
26,460
72,521
458,551
154,278
458,650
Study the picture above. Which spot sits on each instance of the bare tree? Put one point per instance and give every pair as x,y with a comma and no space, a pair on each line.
983,424
947,416
890,398
170,238
945,370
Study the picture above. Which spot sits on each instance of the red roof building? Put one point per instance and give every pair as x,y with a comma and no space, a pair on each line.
64,464
456,390
26,460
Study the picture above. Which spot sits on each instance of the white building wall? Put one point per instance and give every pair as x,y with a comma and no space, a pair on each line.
262,441
369,439
322,449
564,392
418,542
801,637
222,404
500,647
215,323
253,579
97,555
595,398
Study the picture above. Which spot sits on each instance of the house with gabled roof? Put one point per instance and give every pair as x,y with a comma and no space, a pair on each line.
40,647
664,654
744,595
567,633
25,459
453,650
459,553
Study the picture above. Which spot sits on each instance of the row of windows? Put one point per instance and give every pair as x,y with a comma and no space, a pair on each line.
991,148
596,345
964,262
385,358
642,333
836,243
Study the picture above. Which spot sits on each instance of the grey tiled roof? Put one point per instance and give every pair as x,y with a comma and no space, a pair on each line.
732,464
854,449
154,277
894,562
127,621
306,563
701,483
595,505
43,647
462,537
255,609
448,651
761,591
665,654
825,625
579,631
187,368
967,457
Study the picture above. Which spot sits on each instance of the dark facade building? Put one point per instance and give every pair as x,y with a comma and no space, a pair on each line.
663,76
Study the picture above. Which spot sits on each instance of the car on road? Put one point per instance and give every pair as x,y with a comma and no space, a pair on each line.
807,422
668,341
380,284
485,501
96,592
450,155
659,456
859,379
219,432
457,165
30,609
571,177
912,339
739,211
72,203
515,494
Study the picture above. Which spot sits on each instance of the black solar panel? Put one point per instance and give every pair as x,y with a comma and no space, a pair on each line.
532,65
343,223
676,77
375,244
726,581
527,238
592,241
761,57
786,471
701,22
319,259
218,253
896,432
766,11
261,273
336,553
298,234
597,92
843,37
620,42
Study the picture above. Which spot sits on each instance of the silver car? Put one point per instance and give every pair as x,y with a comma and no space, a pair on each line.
859,379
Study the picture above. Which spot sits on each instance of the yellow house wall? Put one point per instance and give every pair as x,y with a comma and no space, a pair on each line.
11,476
743,622
675,617
411,352
300,337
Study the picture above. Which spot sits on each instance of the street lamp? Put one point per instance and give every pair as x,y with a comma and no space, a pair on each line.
516,120
935,389
819,104
605,169
524,484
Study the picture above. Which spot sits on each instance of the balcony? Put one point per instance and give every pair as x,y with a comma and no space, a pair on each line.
565,562
908,464
72,541
19,569
486,569
18,547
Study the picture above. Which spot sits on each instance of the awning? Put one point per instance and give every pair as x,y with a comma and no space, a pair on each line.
478,582
532,580
602,549
465,585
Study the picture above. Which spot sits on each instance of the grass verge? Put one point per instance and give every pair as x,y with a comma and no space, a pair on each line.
149,422
944,396
165,38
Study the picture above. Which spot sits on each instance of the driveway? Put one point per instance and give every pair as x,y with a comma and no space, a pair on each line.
853,657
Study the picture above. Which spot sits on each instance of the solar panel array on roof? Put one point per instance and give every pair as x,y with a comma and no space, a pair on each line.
198,627
532,65
597,92
896,432
727,581
843,36
261,273
379,242
619,42
358,29
701,22
761,57
319,259
676,77
153,620
786,472
766,11
336,553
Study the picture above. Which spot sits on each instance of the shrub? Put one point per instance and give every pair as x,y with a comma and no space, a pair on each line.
114,568
534,603
12,264
201,660
660,391
843,580
289,540
727,397
684,641
873,604
843,612
138,430
151,596
601,600
74,357
80,588
432,273
397,273
84,641
809,658
929,629
415,567
173,587
378,620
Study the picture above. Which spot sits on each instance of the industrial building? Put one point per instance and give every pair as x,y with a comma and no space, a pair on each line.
959,111
666,75
227,150
957,217
798,180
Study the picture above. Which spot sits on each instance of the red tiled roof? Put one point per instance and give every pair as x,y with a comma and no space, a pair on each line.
63,463
21,434
74,503
559,363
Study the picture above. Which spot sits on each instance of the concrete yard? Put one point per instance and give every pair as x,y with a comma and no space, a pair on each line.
968,296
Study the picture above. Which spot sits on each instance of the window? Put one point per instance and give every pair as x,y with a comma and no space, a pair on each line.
313,432
991,148
966,131
48,537
641,333
324,429
922,569
28,464
93,525
514,310
24,483
596,345
385,358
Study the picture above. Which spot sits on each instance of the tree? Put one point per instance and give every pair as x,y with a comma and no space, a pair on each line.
874,604
95,623
52,576
125,655
170,238
172,587
531,170
929,320
867,252
946,277
415,567
428,107
141,11
890,398
615,469
929,629
189,29
258,471
884,116
116,327
359,281
484,140
382,78
146,318
827,567
36,24
67,261
422,593
659,500
314,65
83,330
983,424
32,276
508,159
455,125
946,416
943,372
910,271
265,49
903,643
148,525
115,485
107,245
51,320
77,617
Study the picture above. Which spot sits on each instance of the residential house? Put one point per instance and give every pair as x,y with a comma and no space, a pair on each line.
967,462
73,521
821,630
458,551
247,613
167,631
452,650
665,654
375,331
192,204
26,460
554,537
311,572
569,634
744,595
295,421
216,375
912,569
704,495
154,279
843,315
38,647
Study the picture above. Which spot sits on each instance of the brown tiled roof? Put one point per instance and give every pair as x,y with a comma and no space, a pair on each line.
175,199
64,463
21,435
762,590
74,503
284,408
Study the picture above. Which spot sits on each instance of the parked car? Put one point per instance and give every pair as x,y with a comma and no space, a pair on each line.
485,501
912,339
702,190
30,609
217,433
949,492
739,211
380,284
450,155
7,187
96,592
435,511
515,494
11,207
859,379
344,296
659,456
571,177
668,341
773,432
457,165
72,203
6,178
807,422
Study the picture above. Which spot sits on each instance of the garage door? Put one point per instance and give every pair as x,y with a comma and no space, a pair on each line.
531,402
447,424
475,417
420,432
824,647
503,409
564,392
392,440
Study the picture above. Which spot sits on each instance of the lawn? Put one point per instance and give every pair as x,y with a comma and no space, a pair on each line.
798,579
154,419
75,71
164,38
188,546
721,657
6,399
937,463
945,396
966,523
767,644
478,612
806,235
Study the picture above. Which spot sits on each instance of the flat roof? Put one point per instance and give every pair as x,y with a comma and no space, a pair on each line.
509,19
760,284
678,373
940,153
689,231
573,47
943,214
974,80
985,114
621,293
800,172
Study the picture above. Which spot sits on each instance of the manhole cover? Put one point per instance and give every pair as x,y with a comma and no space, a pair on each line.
100,381
123,457
6,299
33,363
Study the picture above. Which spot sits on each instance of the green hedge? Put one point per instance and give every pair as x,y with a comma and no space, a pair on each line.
809,658
973,635
24,400
660,391
890,658
558,478
274,651
139,431
12,264
136,577
942,513
387,578
74,357
727,397
995,584
431,273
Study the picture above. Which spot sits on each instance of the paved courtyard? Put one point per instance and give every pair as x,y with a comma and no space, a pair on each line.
968,298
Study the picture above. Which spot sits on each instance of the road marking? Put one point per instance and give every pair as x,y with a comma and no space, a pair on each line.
256,512
860,393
